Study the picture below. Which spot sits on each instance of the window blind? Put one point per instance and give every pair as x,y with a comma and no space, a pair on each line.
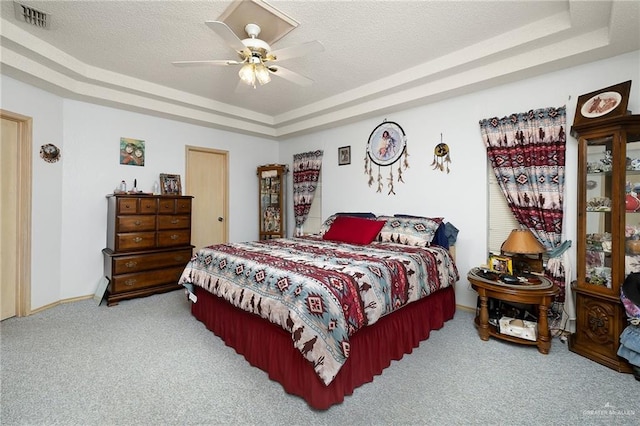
501,219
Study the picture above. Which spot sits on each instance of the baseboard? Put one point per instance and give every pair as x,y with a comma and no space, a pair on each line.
59,302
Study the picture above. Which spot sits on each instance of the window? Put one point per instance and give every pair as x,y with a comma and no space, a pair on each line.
501,219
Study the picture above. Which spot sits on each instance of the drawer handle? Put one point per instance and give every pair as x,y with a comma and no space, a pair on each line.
137,223
130,281
174,237
137,239
131,264
179,259
175,221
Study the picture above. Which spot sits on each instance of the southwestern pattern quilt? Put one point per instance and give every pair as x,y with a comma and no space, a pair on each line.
320,291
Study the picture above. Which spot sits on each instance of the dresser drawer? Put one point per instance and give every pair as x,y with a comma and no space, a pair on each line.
128,282
174,238
137,205
173,222
135,241
136,223
174,205
183,205
145,262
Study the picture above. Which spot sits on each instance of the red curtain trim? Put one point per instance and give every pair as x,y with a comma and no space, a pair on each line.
268,347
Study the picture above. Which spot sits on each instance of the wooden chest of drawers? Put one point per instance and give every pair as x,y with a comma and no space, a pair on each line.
148,244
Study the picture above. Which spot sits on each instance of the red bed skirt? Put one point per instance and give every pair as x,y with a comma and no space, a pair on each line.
269,347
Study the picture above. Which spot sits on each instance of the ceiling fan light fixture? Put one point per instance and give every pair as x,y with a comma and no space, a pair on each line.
247,74
262,74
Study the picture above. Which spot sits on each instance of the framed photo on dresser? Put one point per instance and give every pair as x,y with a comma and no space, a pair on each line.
170,184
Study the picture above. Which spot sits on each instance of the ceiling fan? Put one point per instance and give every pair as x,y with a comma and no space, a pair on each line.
257,60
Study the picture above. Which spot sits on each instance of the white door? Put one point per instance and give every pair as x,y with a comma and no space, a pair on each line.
207,181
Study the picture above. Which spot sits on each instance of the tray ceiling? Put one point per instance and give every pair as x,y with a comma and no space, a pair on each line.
379,56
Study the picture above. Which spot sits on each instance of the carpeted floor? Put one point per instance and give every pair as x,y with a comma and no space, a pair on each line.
149,362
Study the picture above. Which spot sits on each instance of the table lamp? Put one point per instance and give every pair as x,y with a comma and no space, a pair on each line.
521,245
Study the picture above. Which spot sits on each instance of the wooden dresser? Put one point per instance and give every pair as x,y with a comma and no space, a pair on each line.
148,244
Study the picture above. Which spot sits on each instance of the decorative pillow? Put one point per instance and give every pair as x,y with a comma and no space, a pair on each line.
408,231
327,223
353,230
408,216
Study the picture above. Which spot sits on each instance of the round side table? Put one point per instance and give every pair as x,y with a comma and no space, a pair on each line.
541,295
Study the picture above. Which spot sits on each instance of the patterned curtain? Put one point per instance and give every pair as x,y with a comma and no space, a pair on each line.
527,153
306,170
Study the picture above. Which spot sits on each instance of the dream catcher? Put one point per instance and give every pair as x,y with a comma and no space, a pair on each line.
387,145
441,156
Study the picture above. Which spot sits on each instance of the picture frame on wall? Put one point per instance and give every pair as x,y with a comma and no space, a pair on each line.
609,102
170,184
132,152
501,264
344,155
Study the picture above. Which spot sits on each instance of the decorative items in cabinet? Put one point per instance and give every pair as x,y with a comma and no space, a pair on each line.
272,201
148,244
608,233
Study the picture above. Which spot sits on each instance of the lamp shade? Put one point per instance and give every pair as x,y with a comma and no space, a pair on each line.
522,241
247,74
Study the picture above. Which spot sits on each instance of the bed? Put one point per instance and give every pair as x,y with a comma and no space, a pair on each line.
326,313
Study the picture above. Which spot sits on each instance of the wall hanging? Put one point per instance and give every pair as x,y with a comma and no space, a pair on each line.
441,156
50,153
131,152
387,145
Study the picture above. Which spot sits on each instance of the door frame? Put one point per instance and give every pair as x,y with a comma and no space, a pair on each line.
23,219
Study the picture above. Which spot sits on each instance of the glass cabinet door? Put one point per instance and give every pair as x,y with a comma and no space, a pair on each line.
270,202
599,213
631,214
612,190
272,187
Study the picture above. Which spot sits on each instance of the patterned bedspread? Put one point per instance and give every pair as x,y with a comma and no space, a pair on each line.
321,292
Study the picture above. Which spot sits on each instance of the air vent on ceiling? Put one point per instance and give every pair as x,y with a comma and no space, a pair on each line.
32,16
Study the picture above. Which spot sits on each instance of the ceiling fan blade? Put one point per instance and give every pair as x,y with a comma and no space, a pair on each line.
229,36
293,77
211,62
296,51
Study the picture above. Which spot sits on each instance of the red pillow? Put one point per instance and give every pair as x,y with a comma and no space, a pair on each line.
353,230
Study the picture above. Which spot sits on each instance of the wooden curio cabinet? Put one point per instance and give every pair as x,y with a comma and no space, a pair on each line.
272,190
608,235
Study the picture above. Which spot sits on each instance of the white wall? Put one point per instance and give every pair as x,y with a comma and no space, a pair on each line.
46,204
461,195
69,206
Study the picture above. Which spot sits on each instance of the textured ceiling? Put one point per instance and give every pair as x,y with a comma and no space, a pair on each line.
379,55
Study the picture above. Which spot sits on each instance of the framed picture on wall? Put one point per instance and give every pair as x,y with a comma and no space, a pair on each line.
609,102
170,184
344,155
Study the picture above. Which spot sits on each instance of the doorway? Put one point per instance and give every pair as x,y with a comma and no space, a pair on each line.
207,181
15,215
